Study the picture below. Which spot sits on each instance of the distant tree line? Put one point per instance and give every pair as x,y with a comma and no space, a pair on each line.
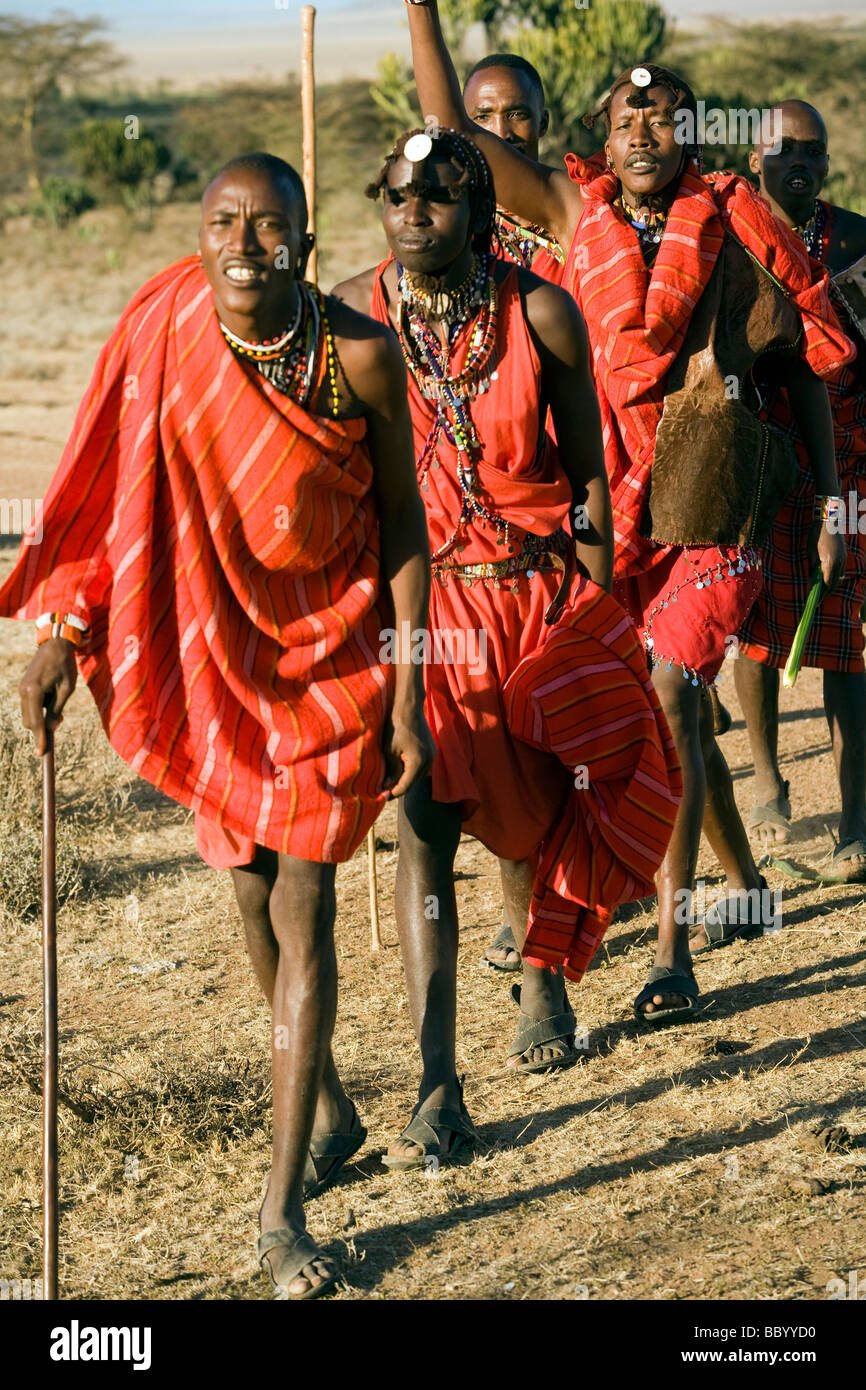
72,135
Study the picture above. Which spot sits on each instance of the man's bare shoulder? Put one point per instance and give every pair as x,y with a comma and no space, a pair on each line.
849,234
547,306
368,350
358,290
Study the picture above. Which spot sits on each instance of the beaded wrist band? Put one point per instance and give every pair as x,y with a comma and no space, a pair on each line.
64,625
828,508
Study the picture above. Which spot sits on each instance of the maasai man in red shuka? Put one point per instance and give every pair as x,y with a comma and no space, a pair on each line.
504,94
233,523
551,748
792,173
683,282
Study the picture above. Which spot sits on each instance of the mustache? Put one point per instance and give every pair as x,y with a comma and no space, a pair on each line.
641,159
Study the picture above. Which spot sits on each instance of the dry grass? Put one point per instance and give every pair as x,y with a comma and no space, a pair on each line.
677,1165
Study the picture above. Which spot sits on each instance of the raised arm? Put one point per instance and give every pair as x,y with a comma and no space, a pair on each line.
563,347
532,191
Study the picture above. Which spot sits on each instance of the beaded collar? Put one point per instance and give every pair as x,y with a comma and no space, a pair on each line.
650,230
428,360
447,306
293,361
269,348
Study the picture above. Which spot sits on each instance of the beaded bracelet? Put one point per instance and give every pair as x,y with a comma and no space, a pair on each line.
64,625
828,508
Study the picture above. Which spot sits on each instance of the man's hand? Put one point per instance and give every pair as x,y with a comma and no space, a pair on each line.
51,675
831,555
409,750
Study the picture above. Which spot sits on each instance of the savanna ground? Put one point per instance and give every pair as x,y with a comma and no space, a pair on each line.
670,1165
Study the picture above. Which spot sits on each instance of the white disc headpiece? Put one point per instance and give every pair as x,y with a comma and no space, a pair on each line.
417,148
640,77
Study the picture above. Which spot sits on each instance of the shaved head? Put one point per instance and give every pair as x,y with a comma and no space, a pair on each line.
792,170
797,118
282,177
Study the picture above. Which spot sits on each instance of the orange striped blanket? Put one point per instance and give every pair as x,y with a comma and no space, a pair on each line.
637,318
223,545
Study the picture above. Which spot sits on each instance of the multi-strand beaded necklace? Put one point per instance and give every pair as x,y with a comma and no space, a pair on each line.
650,229
292,361
428,360
520,241
812,232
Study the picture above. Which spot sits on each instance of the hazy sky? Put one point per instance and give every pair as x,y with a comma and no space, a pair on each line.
189,41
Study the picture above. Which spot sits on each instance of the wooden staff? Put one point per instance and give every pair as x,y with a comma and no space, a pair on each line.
308,111
375,934
49,1024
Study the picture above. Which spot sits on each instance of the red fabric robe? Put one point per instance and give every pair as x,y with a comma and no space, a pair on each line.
636,318
222,543
550,738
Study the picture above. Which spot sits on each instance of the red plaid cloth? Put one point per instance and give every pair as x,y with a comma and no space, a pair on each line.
836,638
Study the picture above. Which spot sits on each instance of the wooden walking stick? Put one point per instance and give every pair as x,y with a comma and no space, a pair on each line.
375,933
49,1021
308,116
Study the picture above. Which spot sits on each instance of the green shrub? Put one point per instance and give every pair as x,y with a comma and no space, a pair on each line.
63,200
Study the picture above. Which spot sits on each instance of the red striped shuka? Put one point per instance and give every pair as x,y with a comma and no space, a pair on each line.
637,318
222,545
554,745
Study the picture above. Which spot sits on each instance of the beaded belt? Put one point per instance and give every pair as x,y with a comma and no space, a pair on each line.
537,553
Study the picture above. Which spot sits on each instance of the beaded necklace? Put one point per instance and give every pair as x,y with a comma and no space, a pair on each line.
520,241
428,361
292,362
812,232
269,348
649,230
445,306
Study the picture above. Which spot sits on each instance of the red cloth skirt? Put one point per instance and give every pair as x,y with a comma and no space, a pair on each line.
689,607
552,741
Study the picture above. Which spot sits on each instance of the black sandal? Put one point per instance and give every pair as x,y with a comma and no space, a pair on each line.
675,983
535,1032
300,1250
426,1129
328,1154
721,927
504,941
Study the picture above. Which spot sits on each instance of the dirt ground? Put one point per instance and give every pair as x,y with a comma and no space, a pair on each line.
669,1165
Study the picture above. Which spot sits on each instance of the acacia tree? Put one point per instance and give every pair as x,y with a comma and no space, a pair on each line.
38,58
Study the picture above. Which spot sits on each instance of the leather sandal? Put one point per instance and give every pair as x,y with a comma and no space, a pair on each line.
300,1250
